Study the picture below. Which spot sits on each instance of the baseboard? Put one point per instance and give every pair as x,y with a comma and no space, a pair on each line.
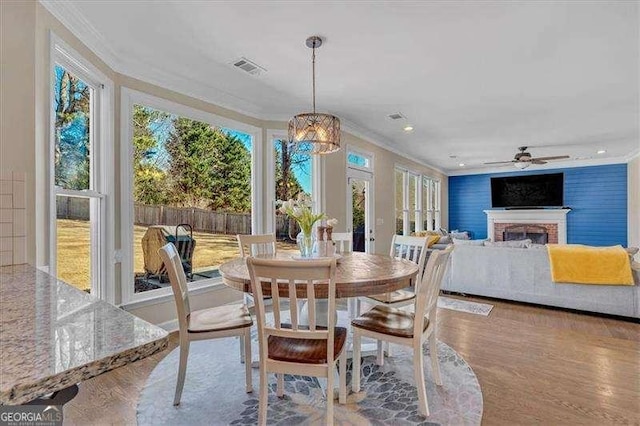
556,308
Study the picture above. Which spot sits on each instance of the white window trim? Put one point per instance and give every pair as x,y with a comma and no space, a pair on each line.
62,54
418,213
129,97
317,177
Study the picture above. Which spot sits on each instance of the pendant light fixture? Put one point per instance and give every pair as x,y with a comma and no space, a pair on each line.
314,132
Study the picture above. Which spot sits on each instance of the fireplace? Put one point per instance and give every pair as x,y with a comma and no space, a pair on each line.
537,234
554,222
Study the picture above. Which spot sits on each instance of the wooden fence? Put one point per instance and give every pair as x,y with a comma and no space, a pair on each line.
201,220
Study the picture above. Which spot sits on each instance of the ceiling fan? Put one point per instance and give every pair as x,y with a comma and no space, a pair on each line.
523,159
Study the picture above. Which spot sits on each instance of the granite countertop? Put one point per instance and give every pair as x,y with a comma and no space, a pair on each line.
53,335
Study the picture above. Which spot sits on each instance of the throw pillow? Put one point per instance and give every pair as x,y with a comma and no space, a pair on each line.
445,240
511,244
464,235
467,242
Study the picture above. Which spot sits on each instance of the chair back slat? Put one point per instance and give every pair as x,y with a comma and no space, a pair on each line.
173,265
257,245
286,278
293,303
343,241
413,249
427,295
276,303
311,305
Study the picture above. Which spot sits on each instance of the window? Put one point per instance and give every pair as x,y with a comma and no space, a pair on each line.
80,117
358,160
192,182
430,204
417,202
293,176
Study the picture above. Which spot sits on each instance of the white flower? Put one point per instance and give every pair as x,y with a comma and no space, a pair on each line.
332,222
296,211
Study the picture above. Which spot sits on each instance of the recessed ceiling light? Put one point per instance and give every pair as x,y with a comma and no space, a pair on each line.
602,151
408,128
461,164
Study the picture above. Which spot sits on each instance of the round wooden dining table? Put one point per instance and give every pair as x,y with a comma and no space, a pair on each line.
357,274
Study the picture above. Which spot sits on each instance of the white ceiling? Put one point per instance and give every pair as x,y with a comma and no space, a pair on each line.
475,79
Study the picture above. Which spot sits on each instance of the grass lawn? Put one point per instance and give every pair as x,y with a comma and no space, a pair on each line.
74,242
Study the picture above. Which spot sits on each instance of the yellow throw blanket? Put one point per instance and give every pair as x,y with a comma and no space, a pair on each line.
578,264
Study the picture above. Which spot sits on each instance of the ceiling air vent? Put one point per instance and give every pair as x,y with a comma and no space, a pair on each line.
248,66
396,116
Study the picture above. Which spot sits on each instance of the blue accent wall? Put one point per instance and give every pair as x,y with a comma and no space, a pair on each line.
597,196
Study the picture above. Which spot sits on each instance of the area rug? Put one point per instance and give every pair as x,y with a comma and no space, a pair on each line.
464,306
214,392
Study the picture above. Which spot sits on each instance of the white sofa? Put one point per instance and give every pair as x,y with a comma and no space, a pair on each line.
523,274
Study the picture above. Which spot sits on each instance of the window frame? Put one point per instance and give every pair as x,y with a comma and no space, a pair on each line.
129,98
101,167
418,212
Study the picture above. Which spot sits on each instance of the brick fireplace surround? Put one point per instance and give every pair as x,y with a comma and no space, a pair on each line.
551,228
553,220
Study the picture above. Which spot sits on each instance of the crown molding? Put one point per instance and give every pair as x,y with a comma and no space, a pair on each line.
381,142
65,12
69,15
549,166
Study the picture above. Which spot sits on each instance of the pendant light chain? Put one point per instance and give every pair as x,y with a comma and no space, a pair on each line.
313,76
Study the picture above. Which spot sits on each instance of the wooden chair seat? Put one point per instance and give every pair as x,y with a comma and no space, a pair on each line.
394,296
386,320
305,351
226,317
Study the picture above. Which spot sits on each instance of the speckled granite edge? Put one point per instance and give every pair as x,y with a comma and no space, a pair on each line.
20,395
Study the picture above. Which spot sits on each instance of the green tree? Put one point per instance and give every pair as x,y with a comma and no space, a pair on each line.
208,168
231,174
151,185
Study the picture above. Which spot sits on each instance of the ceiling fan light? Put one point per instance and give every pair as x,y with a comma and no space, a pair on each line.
521,164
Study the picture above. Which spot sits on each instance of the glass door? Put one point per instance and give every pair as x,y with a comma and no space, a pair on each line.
360,212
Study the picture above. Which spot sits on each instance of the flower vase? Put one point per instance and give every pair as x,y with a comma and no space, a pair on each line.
305,244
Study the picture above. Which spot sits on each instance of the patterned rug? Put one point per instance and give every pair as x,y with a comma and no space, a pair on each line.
464,306
214,392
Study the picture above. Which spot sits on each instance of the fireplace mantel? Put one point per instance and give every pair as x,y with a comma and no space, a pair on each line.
533,216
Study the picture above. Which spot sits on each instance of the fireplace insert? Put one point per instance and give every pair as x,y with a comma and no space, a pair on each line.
537,234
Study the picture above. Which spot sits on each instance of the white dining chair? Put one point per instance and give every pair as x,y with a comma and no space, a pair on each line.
406,328
287,346
409,248
212,323
343,242
257,245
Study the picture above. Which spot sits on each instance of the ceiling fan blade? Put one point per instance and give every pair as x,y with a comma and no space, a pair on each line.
538,161
499,162
556,157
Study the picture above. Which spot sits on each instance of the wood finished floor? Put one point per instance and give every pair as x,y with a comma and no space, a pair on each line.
535,366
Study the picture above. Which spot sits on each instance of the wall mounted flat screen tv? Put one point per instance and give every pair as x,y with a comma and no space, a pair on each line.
528,191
